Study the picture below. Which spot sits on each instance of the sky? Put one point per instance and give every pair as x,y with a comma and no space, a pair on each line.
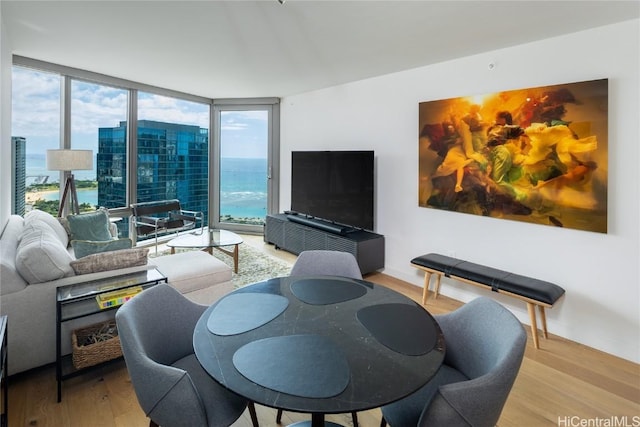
36,115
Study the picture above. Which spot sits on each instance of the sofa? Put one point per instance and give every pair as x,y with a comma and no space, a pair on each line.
37,256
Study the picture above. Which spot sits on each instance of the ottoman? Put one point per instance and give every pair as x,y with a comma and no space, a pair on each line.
197,275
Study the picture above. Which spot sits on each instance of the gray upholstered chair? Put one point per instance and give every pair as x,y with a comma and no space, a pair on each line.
485,345
156,334
325,263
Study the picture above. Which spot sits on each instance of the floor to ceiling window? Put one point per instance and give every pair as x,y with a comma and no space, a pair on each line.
35,128
96,107
173,151
244,147
243,166
224,164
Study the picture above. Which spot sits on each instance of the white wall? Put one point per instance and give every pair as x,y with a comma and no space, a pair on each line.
599,271
5,125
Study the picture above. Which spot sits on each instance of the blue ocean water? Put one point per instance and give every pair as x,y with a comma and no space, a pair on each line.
243,185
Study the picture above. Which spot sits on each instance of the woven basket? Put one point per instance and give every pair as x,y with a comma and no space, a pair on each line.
104,344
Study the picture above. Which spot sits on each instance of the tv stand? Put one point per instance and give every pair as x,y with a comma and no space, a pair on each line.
298,233
319,224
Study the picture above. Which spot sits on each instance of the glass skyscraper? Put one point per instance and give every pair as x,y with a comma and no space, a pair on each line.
172,163
19,152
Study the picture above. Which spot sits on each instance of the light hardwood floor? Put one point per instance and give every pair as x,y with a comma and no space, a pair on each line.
562,384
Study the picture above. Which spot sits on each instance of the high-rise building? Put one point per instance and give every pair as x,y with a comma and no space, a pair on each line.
172,163
18,152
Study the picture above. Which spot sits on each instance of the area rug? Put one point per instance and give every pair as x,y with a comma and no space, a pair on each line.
253,266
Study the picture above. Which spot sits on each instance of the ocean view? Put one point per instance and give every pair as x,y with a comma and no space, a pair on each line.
243,192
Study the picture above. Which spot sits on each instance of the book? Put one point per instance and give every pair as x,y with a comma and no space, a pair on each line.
117,298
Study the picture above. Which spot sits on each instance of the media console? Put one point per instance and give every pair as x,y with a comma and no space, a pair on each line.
320,225
297,233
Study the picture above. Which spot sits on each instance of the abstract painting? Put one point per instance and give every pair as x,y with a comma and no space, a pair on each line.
537,155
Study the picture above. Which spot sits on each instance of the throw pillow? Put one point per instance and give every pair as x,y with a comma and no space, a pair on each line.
41,257
82,248
38,215
90,226
112,260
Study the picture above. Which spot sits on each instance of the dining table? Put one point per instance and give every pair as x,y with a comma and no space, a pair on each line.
319,344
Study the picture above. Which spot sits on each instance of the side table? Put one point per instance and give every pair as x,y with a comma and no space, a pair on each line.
4,420
79,300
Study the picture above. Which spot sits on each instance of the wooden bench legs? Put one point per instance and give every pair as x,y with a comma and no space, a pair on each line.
534,324
425,289
531,307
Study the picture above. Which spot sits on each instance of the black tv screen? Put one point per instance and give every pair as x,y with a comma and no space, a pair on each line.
336,186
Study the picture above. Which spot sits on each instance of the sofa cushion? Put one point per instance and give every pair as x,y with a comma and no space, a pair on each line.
41,257
38,215
90,226
112,260
82,248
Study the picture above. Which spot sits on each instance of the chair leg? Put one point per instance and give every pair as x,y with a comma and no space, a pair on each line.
383,422
252,413
279,416
354,418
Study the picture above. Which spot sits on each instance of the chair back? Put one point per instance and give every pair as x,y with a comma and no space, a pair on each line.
326,263
155,330
486,343
161,209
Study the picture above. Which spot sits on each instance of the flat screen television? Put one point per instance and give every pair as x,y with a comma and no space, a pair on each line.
335,186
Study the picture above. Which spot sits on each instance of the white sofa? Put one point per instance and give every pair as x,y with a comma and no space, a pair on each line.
30,303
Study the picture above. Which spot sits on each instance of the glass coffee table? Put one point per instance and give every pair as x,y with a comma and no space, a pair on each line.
207,240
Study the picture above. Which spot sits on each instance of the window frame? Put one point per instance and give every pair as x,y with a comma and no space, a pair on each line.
272,106
68,74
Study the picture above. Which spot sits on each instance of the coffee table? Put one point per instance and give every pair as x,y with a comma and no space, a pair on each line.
319,344
207,240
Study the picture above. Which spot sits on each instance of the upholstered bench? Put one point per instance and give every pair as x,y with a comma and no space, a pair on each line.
199,276
534,292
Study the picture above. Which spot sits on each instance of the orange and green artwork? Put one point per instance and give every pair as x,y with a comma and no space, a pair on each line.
537,155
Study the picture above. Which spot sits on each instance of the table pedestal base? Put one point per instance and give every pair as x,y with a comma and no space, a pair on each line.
310,424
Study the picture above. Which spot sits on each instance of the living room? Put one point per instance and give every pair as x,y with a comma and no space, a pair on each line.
599,271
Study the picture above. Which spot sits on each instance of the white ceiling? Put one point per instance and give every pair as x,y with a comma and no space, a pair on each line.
238,49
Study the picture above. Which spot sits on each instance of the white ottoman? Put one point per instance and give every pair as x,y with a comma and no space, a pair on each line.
197,275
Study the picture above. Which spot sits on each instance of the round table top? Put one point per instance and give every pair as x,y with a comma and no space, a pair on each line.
319,344
207,239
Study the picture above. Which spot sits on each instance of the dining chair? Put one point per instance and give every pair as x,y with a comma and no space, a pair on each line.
325,263
485,345
156,334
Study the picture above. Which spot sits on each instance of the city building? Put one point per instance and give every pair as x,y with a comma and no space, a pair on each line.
19,147
172,163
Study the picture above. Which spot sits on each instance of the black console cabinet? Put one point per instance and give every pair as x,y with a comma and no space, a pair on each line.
368,248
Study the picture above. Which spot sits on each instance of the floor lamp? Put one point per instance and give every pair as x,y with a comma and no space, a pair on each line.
67,161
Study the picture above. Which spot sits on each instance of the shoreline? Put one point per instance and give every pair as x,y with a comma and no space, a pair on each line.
33,196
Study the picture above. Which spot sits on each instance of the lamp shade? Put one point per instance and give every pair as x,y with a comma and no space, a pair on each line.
69,160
